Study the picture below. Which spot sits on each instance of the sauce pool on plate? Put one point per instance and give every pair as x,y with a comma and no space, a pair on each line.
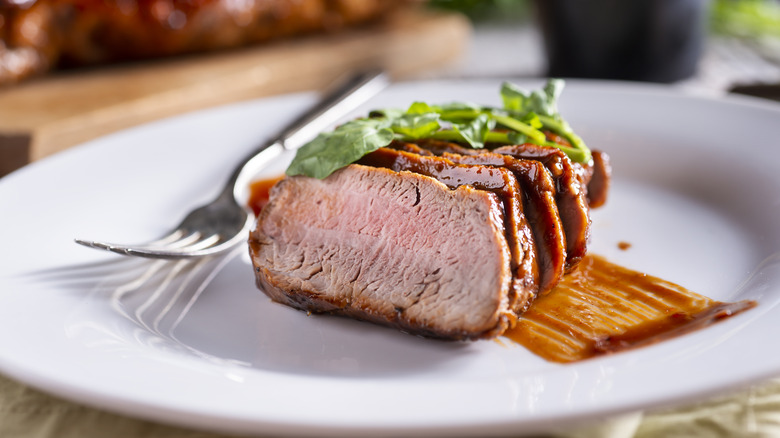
259,192
603,308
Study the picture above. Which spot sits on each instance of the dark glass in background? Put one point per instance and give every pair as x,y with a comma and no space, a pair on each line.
642,40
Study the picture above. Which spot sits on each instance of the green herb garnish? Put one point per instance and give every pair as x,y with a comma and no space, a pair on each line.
523,119
333,150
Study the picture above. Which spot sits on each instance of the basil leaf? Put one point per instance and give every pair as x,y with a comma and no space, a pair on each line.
346,144
542,102
420,108
416,126
542,108
517,138
475,131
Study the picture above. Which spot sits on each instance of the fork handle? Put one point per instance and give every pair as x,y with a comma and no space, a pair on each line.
332,106
355,91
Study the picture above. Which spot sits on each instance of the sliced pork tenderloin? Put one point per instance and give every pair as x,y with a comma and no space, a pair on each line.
522,246
395,248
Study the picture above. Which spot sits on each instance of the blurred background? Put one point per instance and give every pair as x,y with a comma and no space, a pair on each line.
706,46
73,70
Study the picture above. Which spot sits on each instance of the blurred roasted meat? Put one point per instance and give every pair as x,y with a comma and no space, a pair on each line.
39,35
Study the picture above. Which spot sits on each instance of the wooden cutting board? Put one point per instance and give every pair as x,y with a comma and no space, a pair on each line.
47,115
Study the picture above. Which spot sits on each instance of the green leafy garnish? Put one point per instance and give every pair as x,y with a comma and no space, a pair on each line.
331,151
543,105
524,118
415,126
540,102
757,20
474,131
523,128
458,111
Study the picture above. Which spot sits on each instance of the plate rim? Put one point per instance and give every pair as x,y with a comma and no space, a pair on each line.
88,398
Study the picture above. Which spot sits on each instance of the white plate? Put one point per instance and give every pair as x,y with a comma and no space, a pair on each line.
696,192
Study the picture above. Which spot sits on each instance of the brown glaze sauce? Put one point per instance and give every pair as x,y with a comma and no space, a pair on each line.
603,308
259,192
598,309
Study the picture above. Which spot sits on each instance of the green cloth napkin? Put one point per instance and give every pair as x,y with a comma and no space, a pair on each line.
751,412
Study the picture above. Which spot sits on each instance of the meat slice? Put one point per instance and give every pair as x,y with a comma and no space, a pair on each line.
395,248
571,196
572,185
539,201
539,207
522,247
597,179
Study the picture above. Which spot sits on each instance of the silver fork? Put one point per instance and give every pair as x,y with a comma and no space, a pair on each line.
223,223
